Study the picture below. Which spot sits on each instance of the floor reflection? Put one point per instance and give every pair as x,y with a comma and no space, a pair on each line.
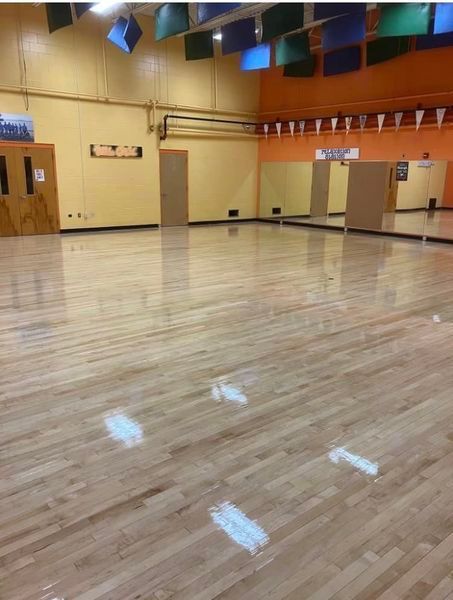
358,462
228,393
123,429
239,527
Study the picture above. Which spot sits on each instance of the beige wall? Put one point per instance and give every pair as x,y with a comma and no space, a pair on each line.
285,185
222,172
338,187
422,183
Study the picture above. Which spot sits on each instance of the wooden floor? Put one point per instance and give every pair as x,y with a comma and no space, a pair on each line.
438,223
240,412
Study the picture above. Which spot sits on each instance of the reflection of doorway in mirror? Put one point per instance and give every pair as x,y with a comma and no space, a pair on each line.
338,191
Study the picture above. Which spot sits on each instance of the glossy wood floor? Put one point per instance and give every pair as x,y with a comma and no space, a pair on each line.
238,412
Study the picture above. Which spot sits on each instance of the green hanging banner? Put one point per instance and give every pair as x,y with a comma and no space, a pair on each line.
199,45
294,48
404,19
304,68
384,49
171,19
58,15
282,18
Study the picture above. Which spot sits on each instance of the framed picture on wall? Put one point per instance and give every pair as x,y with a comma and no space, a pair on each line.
16,128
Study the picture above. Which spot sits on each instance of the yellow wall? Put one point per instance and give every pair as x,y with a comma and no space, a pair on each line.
222,172
422,183
338,187
285,185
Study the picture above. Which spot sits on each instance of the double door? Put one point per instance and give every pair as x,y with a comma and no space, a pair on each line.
28,196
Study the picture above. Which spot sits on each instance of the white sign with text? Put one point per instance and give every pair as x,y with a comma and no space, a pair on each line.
337,153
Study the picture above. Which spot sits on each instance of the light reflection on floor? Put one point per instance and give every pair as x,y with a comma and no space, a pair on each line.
123,429
239,527
228,393
358,462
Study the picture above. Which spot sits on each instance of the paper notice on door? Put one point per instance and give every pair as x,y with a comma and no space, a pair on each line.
40,175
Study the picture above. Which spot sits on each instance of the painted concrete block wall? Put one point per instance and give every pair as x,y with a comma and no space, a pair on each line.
78,60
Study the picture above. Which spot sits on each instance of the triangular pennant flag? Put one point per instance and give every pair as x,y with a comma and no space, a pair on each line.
266,129
318,126
398,117
301,127
418,118
278,126
380,120
334,121
348,121
362,119
440,114
291,127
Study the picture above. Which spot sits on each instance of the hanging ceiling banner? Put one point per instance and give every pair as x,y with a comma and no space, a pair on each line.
291,127
347,122
398,117
238,36
334,121
440,114
278,127
337,153
171,19
418,118
318,126
301,127
380,120
209,10
266,129
362,121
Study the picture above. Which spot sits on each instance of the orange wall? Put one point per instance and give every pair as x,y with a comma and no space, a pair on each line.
417,77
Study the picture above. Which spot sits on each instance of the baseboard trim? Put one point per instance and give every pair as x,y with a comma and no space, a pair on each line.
314,225
110,228
410,236
223,221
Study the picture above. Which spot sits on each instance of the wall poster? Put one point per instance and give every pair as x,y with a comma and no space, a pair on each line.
16,128
108,151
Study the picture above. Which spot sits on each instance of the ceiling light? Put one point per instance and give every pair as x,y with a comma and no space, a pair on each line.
217,36
102,6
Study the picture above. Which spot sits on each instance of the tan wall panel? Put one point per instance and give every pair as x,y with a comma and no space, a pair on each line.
298,188
272,187
338,187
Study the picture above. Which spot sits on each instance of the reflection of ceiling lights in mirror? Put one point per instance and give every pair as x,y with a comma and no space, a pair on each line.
103,6
217,36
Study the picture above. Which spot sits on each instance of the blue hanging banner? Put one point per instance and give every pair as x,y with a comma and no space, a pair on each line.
238,36
327,10
256,58
443,18
343,31
342,61
209,10
125,34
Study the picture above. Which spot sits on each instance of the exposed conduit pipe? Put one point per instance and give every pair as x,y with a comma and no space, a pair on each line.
35,91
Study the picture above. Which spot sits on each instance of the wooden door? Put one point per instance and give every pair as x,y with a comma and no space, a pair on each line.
9,194
38,205
173,188
320,188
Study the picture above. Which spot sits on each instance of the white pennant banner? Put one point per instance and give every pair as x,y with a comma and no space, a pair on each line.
398,117
418,118
440,114
266,129
291,127
348,121
362,119
318,126
380,120
278,127
301,127
334,121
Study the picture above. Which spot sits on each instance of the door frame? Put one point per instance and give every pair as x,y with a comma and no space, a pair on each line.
170,151
51,147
